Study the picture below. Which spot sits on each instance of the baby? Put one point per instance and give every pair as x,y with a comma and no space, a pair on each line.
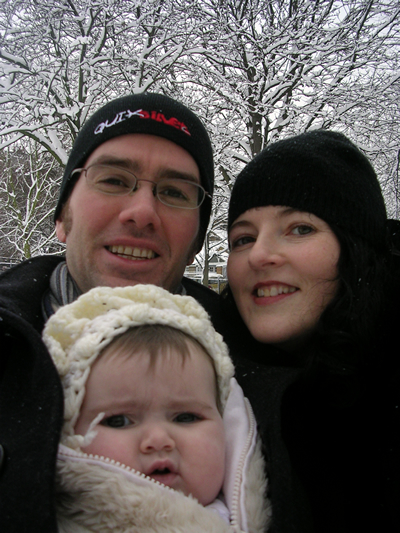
151,405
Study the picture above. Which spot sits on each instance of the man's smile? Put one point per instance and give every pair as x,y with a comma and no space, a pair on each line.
127,252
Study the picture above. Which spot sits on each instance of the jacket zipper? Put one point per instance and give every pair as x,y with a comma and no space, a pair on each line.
239,470
97,459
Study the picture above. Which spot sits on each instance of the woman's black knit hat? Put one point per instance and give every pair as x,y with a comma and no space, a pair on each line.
154,114
321,172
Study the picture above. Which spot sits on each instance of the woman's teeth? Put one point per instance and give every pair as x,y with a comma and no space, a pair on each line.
274,290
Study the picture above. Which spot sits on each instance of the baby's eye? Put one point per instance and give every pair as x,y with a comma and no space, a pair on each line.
116,421
186,418
302,229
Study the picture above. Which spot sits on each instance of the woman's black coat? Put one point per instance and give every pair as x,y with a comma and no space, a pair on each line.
331,440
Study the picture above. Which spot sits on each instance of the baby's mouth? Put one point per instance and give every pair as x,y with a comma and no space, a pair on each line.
160,472
166,475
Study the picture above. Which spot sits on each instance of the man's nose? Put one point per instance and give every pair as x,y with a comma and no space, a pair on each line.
155,438
141,207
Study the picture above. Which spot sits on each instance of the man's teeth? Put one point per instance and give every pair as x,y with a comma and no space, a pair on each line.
132,253
274,290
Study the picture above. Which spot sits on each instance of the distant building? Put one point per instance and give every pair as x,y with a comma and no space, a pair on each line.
216,273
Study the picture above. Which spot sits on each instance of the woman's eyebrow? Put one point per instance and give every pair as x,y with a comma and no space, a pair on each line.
239,224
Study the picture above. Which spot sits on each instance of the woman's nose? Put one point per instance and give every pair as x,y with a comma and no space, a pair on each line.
265,252
141,207
156,437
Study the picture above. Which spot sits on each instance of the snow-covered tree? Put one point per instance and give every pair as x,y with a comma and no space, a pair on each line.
28,190
269,69
59,61
272,68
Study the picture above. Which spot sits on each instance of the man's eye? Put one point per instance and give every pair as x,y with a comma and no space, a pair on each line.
186,418
112,182
302,229
116,421
172,192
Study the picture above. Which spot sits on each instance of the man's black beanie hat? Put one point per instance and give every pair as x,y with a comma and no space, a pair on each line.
321,172
154,114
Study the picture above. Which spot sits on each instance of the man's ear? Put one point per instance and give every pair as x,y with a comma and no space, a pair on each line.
60,231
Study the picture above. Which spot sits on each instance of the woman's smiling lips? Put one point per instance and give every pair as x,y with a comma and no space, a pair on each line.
273,290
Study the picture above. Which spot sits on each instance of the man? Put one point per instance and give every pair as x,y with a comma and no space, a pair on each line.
134,206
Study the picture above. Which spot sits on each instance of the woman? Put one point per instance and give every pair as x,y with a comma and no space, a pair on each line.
313,274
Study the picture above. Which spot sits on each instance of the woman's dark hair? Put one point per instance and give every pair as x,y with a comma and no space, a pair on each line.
348,326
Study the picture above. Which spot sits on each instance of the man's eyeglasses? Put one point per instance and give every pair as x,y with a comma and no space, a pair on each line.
174,192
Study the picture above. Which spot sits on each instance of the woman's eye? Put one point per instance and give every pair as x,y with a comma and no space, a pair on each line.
241,241
116,421
186,418
302,229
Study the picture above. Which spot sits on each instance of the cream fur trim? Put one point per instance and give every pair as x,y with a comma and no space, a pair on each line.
91,499
258,505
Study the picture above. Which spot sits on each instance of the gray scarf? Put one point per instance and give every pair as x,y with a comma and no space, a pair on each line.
63,290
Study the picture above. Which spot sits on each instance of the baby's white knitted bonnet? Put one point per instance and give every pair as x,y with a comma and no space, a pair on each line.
78,332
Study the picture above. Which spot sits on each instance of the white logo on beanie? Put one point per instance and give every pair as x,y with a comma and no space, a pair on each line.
141,113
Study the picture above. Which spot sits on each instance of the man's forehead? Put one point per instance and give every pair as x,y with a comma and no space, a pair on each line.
135,152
